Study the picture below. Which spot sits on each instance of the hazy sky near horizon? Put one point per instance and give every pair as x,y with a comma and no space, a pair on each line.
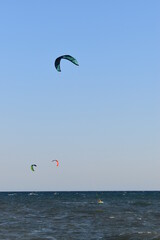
101,119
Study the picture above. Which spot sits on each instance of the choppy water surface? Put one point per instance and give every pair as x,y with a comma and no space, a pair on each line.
77,215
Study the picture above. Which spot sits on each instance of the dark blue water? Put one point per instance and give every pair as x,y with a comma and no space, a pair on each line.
77,215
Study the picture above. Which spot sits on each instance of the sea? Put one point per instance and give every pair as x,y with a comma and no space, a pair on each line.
79,215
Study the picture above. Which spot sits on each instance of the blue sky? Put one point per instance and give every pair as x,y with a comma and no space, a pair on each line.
101,119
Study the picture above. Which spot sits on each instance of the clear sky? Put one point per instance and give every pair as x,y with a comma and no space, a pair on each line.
101,119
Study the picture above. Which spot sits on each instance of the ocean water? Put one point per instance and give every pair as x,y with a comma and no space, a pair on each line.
78,216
